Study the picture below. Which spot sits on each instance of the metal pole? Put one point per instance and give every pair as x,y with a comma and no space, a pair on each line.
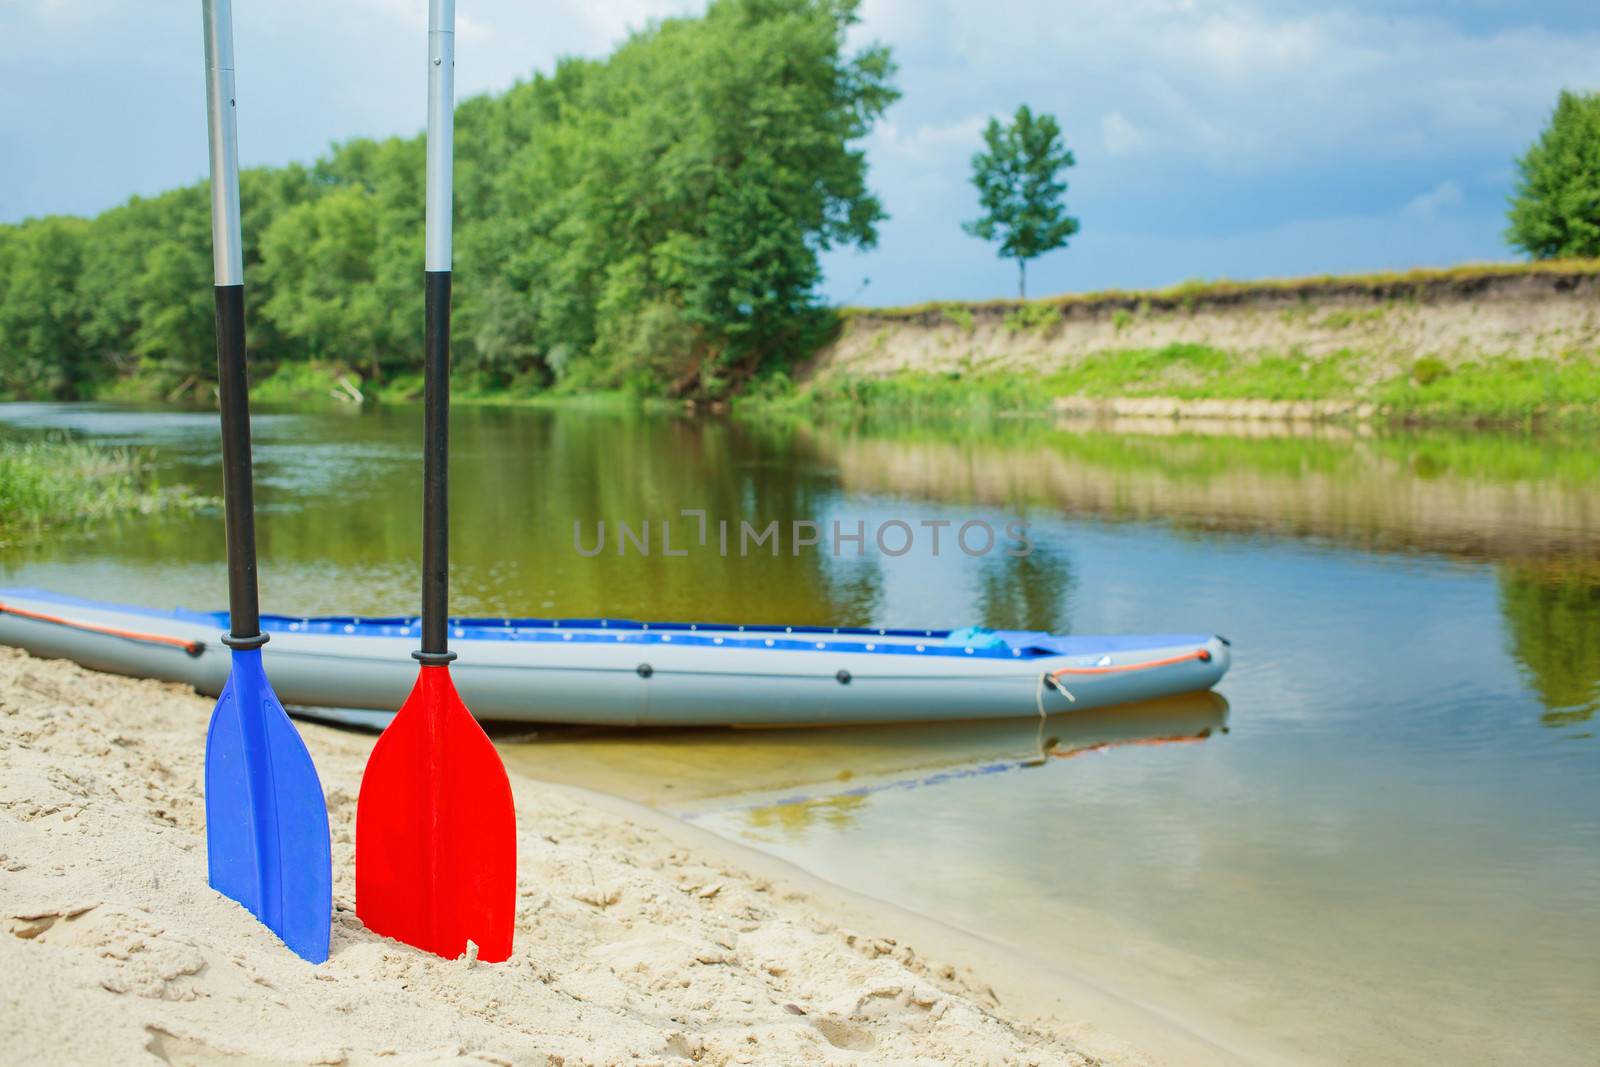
233,386
441,130
436,336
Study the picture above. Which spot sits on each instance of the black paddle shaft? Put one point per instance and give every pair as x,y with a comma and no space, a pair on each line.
233,389
436,470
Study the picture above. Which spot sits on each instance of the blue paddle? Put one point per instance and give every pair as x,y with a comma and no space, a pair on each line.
266,818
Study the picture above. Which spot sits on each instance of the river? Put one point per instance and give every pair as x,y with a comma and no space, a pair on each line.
1379,843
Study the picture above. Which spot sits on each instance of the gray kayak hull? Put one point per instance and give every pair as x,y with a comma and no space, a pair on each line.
632,674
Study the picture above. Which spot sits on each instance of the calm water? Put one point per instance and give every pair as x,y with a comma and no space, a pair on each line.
1381,843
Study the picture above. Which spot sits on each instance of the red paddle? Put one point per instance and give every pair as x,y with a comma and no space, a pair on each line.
436,831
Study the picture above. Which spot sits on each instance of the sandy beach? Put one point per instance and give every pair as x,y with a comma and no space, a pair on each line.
639,939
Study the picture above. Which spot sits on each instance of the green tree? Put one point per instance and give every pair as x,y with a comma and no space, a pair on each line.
1021,191
652,220
1556,208
331,287
175,332
41,314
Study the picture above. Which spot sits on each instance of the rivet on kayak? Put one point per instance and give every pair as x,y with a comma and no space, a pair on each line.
349,629
969,650
566,637
716,640
922,648
645,670
666,637
844,677
769,642
871,646
460,632
294,626
821,645
788,629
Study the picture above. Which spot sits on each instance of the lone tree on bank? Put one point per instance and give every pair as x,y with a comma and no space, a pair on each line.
1021,191
1556,208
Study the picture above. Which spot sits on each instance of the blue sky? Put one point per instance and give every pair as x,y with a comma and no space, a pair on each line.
1229,139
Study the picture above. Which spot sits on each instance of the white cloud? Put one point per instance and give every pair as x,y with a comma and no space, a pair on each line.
1120,136
1429,205
927,143
1238,83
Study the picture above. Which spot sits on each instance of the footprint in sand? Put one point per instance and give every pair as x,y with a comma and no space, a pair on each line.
841,1034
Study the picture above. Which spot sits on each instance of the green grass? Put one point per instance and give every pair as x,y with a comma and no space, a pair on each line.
48,484
1181,370
1031,317
1502,390
295,383
1498,389
961,316
1194,371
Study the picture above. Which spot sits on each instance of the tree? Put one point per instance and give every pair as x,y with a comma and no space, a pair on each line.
1021,191
1556,208
653,219
41,352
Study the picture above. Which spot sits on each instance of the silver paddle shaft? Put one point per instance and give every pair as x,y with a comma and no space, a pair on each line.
226,245
441,129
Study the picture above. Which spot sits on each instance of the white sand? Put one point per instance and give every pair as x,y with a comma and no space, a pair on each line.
638,940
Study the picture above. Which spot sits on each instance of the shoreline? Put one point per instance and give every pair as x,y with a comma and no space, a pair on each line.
1507,345
1102,1020
641,938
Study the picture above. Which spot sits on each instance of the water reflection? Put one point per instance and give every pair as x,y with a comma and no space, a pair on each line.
1472,495
696,772
1026,592
955,751
1552,613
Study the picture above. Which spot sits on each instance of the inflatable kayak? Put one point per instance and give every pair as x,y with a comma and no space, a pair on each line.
622,673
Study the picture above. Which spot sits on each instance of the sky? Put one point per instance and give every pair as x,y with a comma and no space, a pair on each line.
1237,139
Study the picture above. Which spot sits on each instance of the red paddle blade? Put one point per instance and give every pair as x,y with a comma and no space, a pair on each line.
436,832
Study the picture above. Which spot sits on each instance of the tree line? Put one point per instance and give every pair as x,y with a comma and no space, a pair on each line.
649,221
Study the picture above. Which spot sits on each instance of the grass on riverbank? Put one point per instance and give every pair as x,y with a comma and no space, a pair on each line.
1501,390
55,483
1198,291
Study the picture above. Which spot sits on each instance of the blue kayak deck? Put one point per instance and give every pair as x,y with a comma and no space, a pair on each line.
976,642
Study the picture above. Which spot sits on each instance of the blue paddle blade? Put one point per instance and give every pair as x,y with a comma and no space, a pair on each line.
266,817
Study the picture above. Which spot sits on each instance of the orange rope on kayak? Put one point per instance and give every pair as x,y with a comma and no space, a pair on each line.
1200,654
194,648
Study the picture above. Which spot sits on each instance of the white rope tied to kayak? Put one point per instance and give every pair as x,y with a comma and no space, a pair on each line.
1048,680
1045,679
